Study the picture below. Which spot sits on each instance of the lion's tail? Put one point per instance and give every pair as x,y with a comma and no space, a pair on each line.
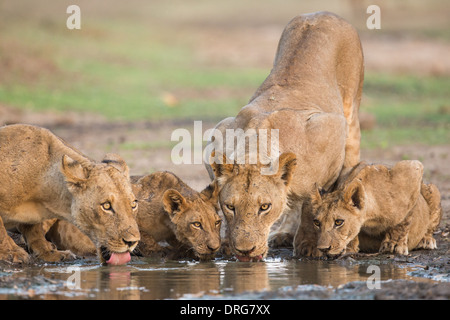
432,196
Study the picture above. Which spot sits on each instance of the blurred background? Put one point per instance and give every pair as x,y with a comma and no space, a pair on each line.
139,69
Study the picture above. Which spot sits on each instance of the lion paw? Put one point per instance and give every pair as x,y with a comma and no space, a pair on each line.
16,255
427,243
389,246
307,249
56,256
280,240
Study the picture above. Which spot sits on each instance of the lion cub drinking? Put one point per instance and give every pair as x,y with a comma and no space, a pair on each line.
169,210
372,208
43,177
172,211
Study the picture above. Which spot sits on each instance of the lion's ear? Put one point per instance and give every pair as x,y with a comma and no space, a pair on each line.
211,192
316,196
117,162
174,202
75,173
286,166
354,195
222,166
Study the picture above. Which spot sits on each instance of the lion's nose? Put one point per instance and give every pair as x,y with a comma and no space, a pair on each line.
129,244
213,249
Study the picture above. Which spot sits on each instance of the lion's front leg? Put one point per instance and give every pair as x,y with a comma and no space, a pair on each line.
35,238
396,239
353,246
9,250
305,241
148,246
283,236
66,236
353,140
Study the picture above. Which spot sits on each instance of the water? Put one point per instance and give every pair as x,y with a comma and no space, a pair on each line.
156,279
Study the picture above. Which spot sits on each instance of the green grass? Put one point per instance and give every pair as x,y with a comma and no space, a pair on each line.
123,77
123,68
408,109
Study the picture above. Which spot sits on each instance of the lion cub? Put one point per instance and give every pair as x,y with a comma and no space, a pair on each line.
172,211
169,210
42,177
372,208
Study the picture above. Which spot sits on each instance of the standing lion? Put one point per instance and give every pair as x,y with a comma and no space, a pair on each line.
312,98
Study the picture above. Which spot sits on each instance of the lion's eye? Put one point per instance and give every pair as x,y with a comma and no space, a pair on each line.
338,222
197,225
230,207
316,222
265,207
106,206
134,204
218,223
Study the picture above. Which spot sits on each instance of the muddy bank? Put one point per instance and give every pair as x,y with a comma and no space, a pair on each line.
358,290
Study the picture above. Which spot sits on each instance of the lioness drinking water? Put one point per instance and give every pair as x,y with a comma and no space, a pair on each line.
42,177
312,98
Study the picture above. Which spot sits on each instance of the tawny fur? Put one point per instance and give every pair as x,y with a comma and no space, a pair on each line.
169,210
312,97
373,208
44,178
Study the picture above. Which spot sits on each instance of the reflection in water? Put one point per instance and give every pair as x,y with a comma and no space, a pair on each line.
149,279
246,276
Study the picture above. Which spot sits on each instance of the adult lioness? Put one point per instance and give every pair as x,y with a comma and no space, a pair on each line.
43,177
169,210
312,97
372,208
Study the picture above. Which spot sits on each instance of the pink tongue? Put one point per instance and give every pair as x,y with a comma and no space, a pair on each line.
119,258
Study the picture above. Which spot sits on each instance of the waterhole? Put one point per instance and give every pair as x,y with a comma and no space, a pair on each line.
155,279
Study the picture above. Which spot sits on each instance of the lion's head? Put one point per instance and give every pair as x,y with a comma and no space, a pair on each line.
252,202
197,224
103,205
338,217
